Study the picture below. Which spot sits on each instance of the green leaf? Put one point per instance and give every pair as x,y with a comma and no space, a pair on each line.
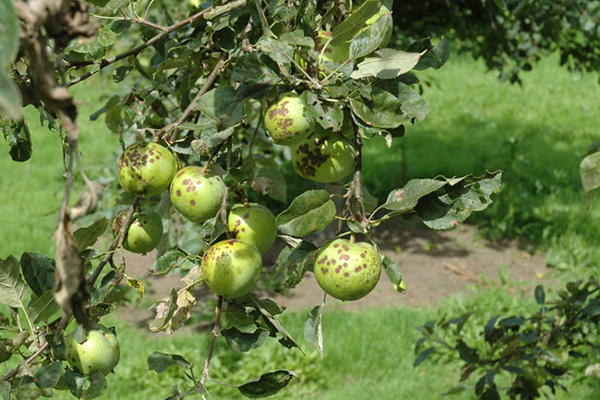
423,355
44,308
589,170
87,236
278,50
10,97
489,329
18,137
75,382
292,264
255,68
372,37
243,341
310,212
160,362
380,109
38,271
270,181
540,295
48,375
592,310
455,202
273,325
386,64
329,116
223,105
12,287
501,4
354,23
313,328
406,198
467,353
392,270
297,38
9,34
5,390
268,384
171,259
97,384
435,57
455,390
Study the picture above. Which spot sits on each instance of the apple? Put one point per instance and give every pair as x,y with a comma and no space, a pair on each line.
323,157
146,169
254,224
143,234
197,194
231,267
98,352
347,271
287,120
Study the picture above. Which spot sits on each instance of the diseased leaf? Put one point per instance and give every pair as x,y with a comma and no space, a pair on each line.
223,105
87,236
38,271
313,328
386,64
165,263
268,384
160,362
406,198
589,170
12,287
48,375
10,97
392,270
244,341
273,325
18,137
310,212
372,37
278,50
329,116
291,265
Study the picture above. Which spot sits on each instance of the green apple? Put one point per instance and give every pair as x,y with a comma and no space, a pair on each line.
143,234
254,223
231,267
146,169
347,271
323,157
287,120
98,352
196,194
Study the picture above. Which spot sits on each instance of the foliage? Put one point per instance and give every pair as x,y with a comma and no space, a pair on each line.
511,36
198,79
525,356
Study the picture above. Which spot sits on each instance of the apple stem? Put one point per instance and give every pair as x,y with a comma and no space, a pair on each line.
211,349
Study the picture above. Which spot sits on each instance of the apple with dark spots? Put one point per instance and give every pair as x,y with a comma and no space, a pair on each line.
146,169
254,224
143,234
197,194
231,267
323,157
347,271
287,120
98,352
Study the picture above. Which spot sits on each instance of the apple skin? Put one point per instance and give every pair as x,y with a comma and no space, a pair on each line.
197,195
287,120
231,268
347,271
144,233
254,224
146,169
99,352
323,157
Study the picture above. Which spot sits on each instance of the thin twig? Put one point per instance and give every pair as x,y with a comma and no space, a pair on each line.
118,241
209,13
15,370
210,80
211,349
226,194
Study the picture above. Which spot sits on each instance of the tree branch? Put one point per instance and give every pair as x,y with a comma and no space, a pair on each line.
209,13
10,374
211,349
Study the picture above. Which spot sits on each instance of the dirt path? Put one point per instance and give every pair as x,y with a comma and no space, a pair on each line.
435,265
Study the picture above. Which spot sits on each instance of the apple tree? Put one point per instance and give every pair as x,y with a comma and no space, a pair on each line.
219,97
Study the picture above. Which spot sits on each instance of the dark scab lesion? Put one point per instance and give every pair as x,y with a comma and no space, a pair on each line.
324,270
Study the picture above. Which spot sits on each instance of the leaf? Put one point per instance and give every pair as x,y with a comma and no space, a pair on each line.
511,322
9,34
5,390
310,212
173,311
423,355
48,375
18,137
255,68
43,308
278,50
164,309
242,341
87,236
467,353
160,362
372,37
354,23
453,203
165,263
589,170
455,390
270,181
12,287
313,328
591,310
406,198
489,329
328,116
268,384
540,295
501,4
386,64
274,325
10,97
222,105
38,271
75,382
97,385
435,57
392,270
291,265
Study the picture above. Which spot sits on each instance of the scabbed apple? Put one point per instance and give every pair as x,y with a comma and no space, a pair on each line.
98,352
231,267
146,169
143,234
254,223
287,120
196,194
323,157
347,271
